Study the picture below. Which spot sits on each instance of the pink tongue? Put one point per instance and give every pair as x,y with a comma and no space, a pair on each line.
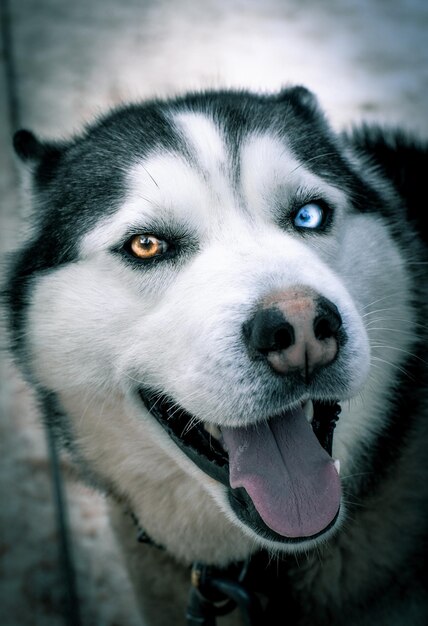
288,475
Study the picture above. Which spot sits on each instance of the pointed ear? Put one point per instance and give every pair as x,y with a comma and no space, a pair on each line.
301,96
39,158
28,147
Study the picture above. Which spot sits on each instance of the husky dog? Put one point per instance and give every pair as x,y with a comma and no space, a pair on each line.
209,285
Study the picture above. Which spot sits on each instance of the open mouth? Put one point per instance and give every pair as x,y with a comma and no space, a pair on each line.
281,479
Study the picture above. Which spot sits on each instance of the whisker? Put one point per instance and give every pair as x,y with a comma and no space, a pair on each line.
395,319
392,330
407,352
390,295
148,173
394,365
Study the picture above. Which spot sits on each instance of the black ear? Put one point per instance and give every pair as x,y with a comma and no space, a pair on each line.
28,147
300,95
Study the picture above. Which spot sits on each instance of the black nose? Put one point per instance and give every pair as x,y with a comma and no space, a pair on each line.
295,330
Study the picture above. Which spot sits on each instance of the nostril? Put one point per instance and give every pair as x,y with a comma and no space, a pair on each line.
283,338
268,331
323,329
328,323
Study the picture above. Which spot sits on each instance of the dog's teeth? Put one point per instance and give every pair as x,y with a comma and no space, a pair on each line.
308,409
213,430
337,465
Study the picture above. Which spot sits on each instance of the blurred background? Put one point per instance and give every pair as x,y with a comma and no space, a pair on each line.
63,62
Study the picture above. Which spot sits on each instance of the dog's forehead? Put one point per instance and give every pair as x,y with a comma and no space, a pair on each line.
204,137
212,180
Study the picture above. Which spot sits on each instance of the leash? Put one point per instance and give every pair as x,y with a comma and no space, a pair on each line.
71,602
71,612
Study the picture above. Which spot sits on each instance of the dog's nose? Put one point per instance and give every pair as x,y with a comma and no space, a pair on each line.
295,330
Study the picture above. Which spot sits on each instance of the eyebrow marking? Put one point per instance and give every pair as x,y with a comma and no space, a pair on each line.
204,136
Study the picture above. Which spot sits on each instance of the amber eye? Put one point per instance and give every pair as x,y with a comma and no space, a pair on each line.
147,246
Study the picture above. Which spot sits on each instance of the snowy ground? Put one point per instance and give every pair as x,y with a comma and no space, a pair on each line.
366,59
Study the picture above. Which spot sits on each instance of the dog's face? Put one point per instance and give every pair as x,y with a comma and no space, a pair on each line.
206,267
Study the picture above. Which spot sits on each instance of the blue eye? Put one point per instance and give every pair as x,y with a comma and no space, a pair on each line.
309,216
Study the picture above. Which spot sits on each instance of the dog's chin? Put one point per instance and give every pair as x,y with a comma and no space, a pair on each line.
281,481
